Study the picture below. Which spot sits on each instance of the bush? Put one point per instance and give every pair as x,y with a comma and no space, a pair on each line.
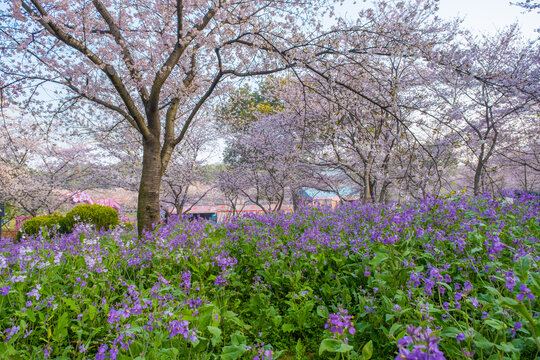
102,217
127,226
34,225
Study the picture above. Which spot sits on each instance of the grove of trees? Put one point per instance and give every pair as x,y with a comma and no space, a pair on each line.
391,104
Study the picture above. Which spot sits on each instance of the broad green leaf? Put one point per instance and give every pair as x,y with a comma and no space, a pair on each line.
216,334
367,351
60,330
30,314
288,327
232,352
238,339
170,353
508,348
322,311
495,324
334,346
92,312
395,327
482,342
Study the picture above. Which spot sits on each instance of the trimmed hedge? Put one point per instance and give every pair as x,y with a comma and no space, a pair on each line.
102,217
34,225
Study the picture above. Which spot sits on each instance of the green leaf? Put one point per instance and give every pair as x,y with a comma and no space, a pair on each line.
450,332
334,346
482,342
495,324
60,330
362,326
232,352
288,327
322,311
379,258
214,330
508,348
394,328
493,291
30,314
238,339
367,351
521,268
92,312
232,316
170,353
445,285
71,304
216,334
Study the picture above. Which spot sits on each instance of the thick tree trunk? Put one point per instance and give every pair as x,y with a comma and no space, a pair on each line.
367,186
148,212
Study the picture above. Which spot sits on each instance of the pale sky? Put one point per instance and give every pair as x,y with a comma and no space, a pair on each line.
480,16
485,16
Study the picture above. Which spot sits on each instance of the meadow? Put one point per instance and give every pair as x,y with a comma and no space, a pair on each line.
454,278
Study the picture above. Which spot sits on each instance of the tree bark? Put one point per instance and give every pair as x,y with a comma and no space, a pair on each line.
296,198
477,177
148,212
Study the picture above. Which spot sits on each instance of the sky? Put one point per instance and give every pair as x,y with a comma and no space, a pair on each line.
485,16
480,16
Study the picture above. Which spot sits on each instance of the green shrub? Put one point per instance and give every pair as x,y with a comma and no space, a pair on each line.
102,217
34,225
128,226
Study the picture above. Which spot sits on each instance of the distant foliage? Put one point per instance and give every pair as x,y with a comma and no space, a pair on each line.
45,223
102,217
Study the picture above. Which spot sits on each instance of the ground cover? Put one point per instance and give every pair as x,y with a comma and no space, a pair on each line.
455,278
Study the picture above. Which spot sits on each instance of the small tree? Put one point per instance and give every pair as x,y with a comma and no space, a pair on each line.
35,167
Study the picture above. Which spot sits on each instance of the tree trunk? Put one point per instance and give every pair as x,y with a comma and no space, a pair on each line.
478,177
367,186
296,198
148,212
478,171
525,177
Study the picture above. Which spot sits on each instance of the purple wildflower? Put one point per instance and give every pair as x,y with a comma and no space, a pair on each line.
424,345
102,352
47,351
11,331
339,322
5,290
525,291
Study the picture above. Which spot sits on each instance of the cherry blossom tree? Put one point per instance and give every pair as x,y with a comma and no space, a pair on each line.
485,93
35,167
185,171
156,65
266,165
530,5
362,106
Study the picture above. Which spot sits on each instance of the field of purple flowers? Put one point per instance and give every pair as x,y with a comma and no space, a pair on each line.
437,279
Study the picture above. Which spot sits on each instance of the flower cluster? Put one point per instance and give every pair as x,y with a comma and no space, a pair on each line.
339,323
169,286
181,327
420,344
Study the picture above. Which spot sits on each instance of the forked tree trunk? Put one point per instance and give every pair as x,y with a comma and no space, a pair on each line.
148,212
